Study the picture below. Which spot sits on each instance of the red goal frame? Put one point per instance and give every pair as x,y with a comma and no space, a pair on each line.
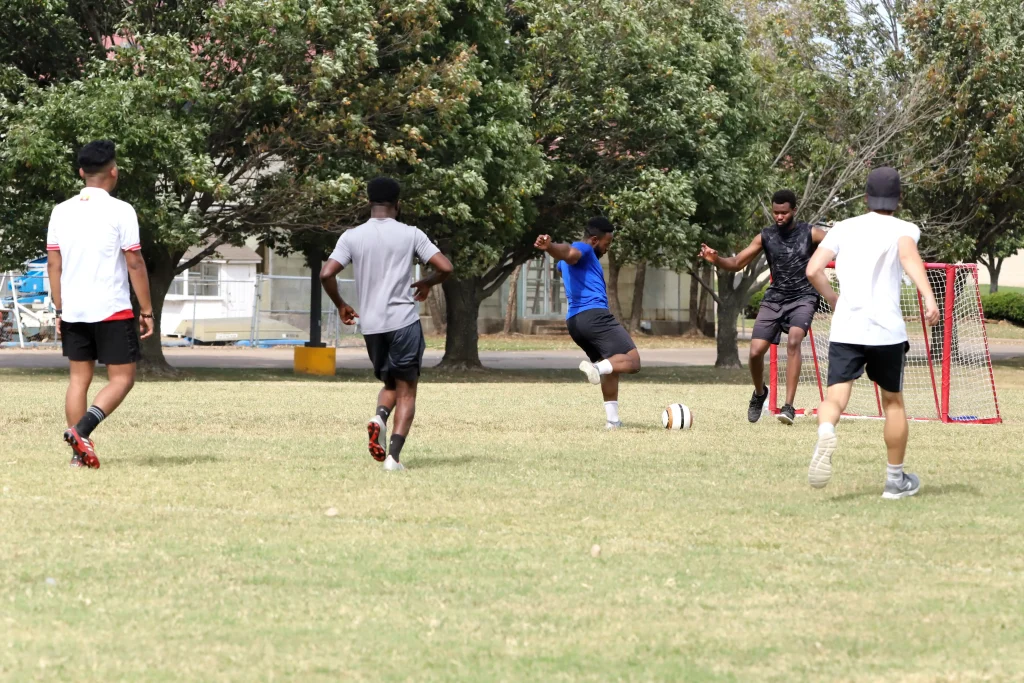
940,378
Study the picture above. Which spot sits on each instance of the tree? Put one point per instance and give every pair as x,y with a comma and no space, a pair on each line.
971,51
644,110
1006,246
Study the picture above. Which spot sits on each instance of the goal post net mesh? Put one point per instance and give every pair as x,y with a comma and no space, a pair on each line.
948,375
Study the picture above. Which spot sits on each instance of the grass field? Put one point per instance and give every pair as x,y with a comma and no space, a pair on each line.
202,549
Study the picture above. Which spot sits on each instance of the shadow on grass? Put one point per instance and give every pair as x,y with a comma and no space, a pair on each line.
428,463
658,375
175,460
928,491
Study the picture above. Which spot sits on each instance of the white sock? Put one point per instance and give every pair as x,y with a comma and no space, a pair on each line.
604,367
894,472
826,429
611,408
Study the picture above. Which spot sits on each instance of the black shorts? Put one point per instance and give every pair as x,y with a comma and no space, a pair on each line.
846,362
111,342
775,318
397,354
599,334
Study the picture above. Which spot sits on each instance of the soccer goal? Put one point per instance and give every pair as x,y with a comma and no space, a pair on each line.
948,375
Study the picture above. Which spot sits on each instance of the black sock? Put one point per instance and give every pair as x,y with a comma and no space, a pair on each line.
383,413
395,450
89,422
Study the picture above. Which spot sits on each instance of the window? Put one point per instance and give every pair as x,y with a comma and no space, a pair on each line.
199,280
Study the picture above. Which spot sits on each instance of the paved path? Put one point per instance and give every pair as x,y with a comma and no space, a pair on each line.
355,358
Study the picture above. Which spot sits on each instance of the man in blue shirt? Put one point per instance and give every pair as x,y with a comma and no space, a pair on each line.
592,326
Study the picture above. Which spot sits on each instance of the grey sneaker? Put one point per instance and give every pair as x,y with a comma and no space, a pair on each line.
756,406
613,425
787,415
908,486
820,471
590,370
392,465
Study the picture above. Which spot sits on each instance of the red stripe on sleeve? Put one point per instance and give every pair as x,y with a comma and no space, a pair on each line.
134,247
52,247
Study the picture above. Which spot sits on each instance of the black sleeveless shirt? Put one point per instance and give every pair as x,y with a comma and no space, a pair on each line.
788,252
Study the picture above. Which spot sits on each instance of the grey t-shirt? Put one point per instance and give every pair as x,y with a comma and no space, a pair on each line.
381,250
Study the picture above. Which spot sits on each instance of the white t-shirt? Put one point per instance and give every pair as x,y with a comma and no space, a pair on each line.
381,251
92,231
870,278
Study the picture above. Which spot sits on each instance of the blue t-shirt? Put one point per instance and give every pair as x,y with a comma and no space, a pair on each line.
584,282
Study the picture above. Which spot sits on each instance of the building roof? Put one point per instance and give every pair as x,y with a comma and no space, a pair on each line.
226,252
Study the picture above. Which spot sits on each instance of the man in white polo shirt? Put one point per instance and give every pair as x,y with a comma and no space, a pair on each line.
871,253
93,251
382,250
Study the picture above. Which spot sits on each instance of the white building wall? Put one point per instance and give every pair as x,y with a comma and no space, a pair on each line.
234,299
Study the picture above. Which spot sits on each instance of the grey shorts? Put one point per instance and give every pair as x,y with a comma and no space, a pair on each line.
775,318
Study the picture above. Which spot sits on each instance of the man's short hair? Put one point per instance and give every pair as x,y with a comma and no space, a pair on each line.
96,156
785,197
383,191
597,226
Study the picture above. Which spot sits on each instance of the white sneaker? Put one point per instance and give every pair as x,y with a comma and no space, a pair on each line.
392,465
613,425
590,370
820,471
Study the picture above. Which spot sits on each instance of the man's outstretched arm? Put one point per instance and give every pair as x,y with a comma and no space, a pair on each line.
732,263
910,259
558,251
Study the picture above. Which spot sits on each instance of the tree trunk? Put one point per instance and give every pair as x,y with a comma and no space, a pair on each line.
161,266
693,328
730,304
462,300
705,305
436,307
994,266
636,310
510,307
614,305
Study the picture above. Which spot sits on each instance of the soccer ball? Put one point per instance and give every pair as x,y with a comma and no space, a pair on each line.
677,416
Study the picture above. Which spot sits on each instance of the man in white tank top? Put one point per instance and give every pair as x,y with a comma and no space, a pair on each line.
871,253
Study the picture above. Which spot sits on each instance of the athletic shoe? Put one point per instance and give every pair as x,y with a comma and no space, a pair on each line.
392,465
377,430
787,415
756,406
908,486
590,370
820,471
613,425
76,461
83,448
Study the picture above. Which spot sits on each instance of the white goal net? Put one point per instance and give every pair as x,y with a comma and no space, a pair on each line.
948,375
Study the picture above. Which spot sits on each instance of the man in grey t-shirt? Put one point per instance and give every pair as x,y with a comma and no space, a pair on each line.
382,250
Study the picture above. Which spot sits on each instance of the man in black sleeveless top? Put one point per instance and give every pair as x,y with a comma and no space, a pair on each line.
790,302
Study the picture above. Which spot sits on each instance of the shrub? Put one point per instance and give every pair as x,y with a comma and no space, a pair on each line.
1004,306
755,302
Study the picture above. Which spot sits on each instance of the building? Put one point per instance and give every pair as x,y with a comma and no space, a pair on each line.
221,286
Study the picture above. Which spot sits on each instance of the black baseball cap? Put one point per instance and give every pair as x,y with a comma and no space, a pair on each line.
383,191
884,189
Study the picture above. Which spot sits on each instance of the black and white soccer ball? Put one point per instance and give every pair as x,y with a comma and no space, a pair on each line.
677,416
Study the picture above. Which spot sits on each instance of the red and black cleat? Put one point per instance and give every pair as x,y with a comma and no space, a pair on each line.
83,448
376,449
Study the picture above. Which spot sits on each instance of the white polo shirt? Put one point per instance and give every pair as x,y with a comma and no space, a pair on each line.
870,279
92,231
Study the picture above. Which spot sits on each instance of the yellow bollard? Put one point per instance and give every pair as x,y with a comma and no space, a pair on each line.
315,361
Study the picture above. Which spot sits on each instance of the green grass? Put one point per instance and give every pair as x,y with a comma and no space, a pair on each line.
1004,331
202,551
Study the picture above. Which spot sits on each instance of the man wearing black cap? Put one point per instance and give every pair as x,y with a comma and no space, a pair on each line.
871,253
382,250
789,304
93,251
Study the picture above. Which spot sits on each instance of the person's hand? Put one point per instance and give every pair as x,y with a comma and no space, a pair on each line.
543,242
348,314
931,312
145,325
708,254
422,290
